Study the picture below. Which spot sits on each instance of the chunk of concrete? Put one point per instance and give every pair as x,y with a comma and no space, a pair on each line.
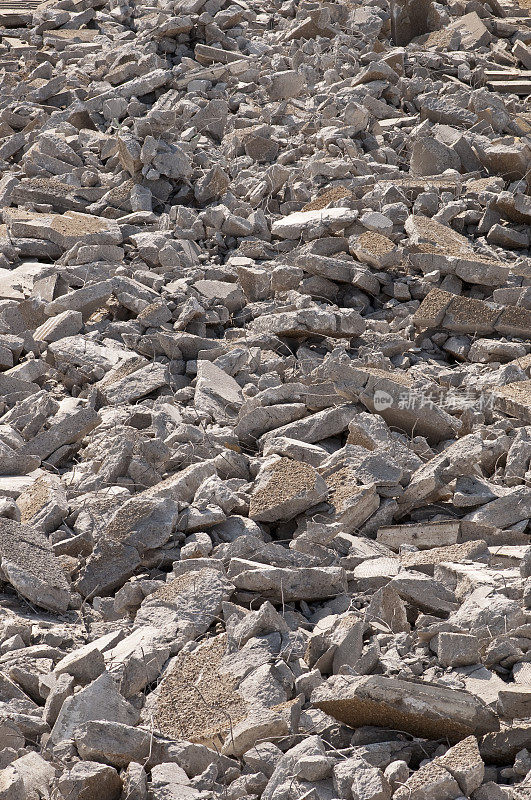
284,489
418,707
27,562
100,700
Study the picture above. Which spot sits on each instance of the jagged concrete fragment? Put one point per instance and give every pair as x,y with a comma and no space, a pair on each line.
27,562
70,428
285,489
420,708
276,583
99,700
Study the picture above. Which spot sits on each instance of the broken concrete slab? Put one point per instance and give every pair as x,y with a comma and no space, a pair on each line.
420,708
284,489
27,562
276,583
100,700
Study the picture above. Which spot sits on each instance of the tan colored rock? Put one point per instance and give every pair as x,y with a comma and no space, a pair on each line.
463,761
421,708
285,489
431,780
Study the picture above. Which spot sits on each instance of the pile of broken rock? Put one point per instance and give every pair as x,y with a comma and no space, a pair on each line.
265,400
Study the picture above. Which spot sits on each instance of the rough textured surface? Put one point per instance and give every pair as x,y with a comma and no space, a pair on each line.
418,707
265,417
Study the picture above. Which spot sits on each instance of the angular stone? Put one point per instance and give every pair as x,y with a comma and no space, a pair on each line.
431,780
457,649
27,777
190,603
423,592
418,707
515,702
89,780
316,24
278,584
84,664
216,392
431,157
67,323
27,562
423,536
100,700
137,384
70,428
284,489
313,224
472,31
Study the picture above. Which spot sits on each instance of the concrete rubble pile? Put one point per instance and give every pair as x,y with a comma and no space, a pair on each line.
265,400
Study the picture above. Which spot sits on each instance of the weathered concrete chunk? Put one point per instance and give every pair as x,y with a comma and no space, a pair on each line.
392,394
431,780
190,602
27,562
70,428
342,324
285,489
313,224
321,425
457,649
100,700
65,230
409,19
265,428
515,702
423,592
422,709
277,583
216,709
464,763
472,31
138,384
431,157
216,392
88,779
435,534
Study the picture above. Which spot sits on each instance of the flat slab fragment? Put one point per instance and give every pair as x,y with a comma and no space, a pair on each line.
431,236
422,709
342,324
14,13
467,315
422,535
138,384
279,585
314,223
64,230
440,309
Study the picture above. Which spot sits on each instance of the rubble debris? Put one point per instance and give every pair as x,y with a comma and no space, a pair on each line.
423,709
265,415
